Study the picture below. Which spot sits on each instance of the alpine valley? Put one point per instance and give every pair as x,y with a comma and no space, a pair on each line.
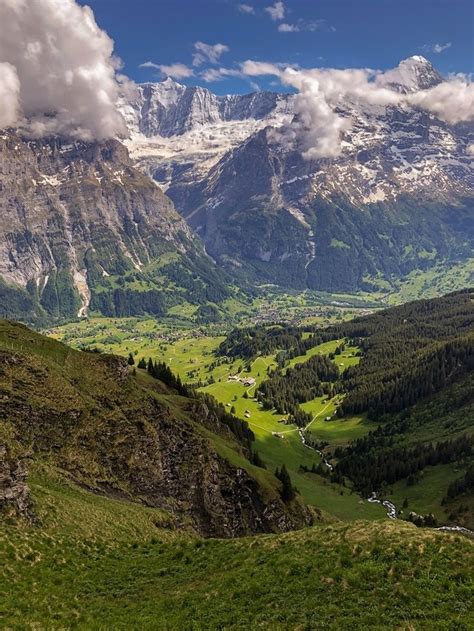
236,331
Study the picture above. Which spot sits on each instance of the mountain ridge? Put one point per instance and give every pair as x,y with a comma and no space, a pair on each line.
398,198
82,230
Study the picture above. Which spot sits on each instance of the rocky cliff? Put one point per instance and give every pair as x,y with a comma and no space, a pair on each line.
81,229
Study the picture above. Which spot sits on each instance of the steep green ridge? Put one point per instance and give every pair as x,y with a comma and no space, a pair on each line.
98,562
128,435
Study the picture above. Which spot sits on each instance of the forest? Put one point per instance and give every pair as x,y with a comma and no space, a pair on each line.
407,353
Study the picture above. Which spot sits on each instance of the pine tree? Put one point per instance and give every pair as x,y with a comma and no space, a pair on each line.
130,360
287,491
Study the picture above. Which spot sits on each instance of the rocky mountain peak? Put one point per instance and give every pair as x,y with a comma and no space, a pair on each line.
412,74
169,82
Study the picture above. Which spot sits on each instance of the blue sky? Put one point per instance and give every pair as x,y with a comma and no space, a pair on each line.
332,33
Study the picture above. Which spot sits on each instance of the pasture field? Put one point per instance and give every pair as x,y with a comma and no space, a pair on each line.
426,494
279,443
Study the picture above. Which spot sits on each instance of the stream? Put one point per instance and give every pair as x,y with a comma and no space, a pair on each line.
303,440
390,508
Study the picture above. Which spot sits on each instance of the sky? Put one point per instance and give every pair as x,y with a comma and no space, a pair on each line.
189,38
60,68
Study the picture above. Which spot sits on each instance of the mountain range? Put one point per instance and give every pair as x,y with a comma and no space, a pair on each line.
398,198
206,194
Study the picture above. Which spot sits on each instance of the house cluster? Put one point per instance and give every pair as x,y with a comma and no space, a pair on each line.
246,381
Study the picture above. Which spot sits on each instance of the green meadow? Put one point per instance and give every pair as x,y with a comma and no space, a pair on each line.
191,354
101,563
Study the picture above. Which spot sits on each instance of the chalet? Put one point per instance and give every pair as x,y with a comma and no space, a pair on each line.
249,381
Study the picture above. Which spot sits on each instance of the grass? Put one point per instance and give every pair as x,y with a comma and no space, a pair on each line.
438,280
98,563
288,449
425,495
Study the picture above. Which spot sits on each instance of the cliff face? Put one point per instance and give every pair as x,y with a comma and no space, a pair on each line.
76,217
14,492
128,436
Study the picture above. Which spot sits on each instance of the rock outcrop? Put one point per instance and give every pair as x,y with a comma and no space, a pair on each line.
14,492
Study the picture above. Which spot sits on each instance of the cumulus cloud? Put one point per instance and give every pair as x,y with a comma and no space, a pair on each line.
9,95
177,70
288,28
276,11
452,101
436,48
246,8
57,70
208,53
319,124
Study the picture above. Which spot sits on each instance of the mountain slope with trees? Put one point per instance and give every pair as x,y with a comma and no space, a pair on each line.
124,433
82,230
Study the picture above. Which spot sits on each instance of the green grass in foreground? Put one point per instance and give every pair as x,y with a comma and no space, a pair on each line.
99,563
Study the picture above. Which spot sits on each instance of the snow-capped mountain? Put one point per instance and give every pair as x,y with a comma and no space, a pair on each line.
412,74
170,109
400,195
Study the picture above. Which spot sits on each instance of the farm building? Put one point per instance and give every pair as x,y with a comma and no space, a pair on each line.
249,381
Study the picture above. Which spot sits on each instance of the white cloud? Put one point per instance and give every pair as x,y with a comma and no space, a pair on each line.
288,28
470,149
303,25
149,64
208,53
177,70
218,74
452,101
65,70
9,95
246,8
436,48
318,128
276,11
260,68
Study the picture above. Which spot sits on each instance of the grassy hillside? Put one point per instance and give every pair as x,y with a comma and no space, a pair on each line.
98,562
128,435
